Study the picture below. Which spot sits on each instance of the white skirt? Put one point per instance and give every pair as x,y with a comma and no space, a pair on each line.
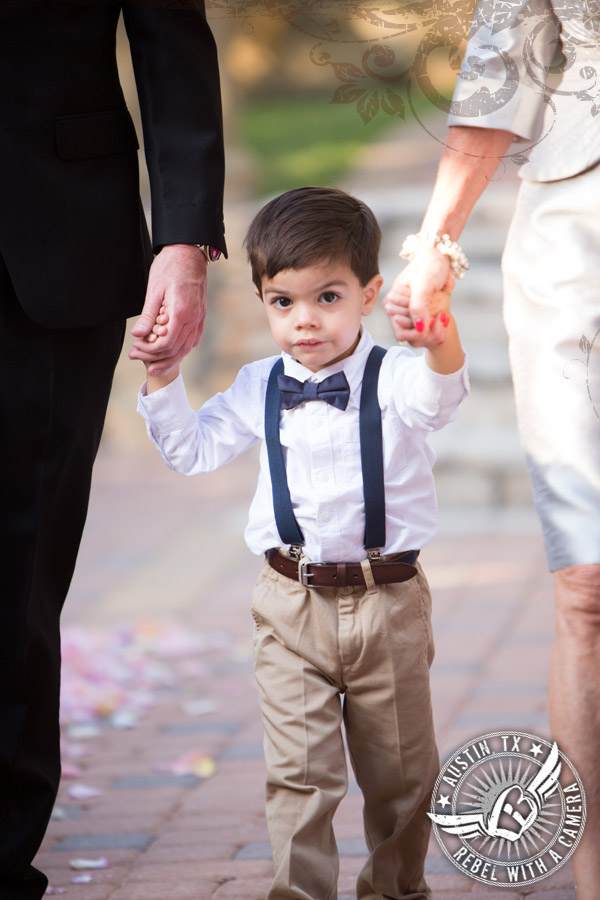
551,268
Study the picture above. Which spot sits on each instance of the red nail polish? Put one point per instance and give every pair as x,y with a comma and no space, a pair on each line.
445,320
419,324
432,322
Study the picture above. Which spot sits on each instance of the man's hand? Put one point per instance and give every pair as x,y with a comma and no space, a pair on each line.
420,324
177,284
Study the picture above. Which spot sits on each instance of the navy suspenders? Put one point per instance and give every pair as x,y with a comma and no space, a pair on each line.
371,458
371,452
287,526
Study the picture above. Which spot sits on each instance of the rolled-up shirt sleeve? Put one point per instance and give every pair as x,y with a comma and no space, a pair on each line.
501,83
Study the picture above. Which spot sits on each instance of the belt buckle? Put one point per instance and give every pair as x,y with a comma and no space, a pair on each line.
303,575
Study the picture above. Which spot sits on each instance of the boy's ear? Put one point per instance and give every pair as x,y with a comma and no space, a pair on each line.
258,294
371,294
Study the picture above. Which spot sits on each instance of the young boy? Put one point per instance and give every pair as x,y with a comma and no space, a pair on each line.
342,608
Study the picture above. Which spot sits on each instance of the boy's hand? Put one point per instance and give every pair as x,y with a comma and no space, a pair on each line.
166,376
159,329
418,333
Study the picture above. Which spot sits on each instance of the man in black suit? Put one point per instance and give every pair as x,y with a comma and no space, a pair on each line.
74,261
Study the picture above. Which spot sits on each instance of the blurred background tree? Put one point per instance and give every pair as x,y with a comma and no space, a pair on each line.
307,83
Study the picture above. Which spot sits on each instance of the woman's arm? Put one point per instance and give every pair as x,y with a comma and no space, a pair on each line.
469,161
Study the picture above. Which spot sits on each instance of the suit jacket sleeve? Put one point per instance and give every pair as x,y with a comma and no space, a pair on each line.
501,84
177,76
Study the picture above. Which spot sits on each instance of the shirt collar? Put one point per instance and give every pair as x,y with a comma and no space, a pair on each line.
352,366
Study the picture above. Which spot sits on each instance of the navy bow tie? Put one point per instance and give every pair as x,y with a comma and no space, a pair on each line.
334,390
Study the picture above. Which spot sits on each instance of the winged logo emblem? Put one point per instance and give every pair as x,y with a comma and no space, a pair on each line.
516,806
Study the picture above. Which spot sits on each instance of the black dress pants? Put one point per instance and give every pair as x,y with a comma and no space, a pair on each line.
54,388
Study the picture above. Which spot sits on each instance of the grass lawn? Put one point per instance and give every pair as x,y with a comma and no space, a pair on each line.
304,140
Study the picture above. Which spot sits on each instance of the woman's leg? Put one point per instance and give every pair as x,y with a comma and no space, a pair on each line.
552,270
575,703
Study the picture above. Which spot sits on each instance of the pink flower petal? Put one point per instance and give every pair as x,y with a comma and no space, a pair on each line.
83,792
100,863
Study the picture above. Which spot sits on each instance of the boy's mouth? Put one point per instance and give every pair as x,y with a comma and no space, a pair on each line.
309,343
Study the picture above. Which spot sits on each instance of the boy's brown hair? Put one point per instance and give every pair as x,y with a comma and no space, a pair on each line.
311,225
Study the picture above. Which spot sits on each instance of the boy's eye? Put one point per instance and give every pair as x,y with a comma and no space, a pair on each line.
281,302
329,297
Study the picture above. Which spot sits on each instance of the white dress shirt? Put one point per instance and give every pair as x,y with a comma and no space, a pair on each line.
321,448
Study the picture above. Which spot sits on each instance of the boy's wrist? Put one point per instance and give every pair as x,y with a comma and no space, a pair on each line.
156,382
447,356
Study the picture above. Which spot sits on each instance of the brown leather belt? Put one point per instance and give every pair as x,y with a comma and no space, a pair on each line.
343,574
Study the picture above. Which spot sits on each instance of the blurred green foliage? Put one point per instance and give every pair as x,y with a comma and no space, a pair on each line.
299,140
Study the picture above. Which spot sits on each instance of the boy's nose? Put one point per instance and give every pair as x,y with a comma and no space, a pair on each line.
306,316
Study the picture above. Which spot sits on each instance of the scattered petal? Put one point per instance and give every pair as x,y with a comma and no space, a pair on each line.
115,674
124,718
204,767
83,792
70,771
83,731
194,762
82,879
100,863
199,707
52,890
69,750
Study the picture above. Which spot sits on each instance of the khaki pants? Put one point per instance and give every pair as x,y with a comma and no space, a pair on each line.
374,646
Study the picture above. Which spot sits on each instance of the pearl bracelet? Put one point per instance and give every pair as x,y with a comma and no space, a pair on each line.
442,242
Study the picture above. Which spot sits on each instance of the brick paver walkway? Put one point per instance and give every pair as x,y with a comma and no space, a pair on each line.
163,547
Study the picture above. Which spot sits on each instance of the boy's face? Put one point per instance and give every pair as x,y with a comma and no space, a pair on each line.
314,313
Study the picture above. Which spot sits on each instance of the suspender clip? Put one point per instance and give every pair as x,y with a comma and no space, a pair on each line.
374,555
295,551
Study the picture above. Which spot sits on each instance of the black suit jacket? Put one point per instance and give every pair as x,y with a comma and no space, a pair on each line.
72,231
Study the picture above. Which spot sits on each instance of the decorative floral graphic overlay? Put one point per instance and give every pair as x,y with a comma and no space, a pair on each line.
383,55
590,353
